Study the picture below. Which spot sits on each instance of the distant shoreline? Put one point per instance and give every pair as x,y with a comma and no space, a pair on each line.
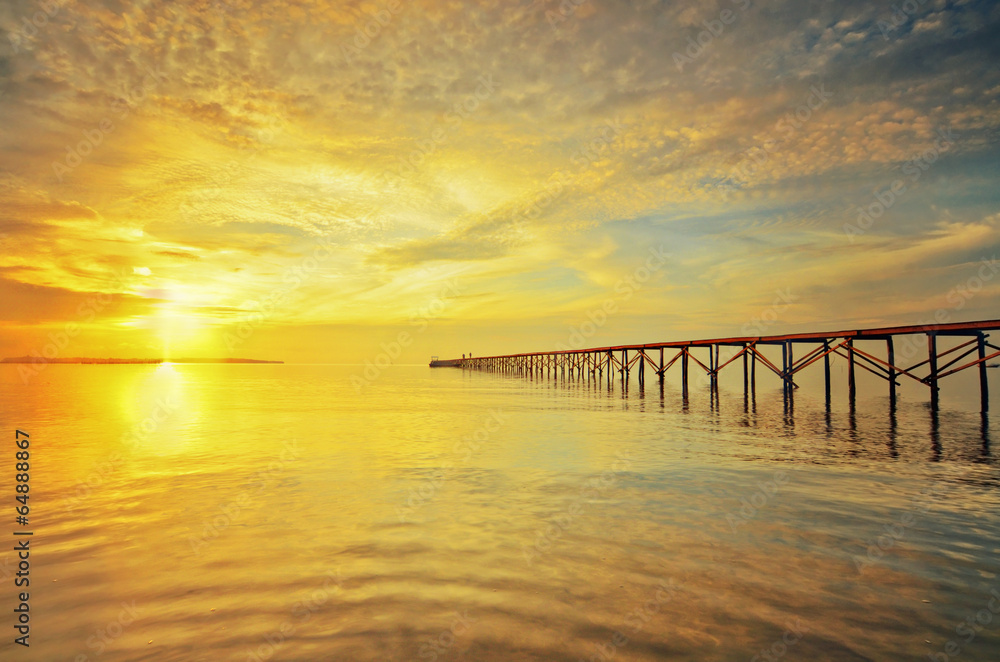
109,361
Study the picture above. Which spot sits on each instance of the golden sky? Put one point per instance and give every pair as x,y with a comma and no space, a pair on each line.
306,180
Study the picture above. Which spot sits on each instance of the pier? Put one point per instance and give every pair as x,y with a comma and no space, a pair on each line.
874,350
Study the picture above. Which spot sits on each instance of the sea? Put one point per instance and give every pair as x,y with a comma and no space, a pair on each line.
290,512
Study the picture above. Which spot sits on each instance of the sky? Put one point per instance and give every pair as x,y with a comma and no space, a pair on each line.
334,182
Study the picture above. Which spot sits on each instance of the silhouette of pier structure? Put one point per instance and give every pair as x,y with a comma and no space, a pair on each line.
970,349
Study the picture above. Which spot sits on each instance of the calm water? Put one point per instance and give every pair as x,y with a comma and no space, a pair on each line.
200,512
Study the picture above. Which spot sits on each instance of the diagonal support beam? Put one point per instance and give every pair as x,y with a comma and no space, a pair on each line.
860,364
774,368
887,366
946,353
969,365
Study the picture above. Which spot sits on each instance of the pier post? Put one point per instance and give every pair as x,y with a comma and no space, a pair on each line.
784,370
753,372
624,366
891,360
984,387
715,369
684,373
745,368
789,380
660,371
642,368
932,378
826,370
711,370
852,389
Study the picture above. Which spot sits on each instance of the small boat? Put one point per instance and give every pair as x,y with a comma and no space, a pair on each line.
445,363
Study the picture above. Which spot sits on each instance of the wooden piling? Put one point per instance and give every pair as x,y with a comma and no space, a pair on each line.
826,370
745,369
852,389
789,380
891,360
984,387
684,373
711,369
784,369
932,378
715,369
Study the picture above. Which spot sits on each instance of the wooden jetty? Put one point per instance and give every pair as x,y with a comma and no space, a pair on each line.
970,345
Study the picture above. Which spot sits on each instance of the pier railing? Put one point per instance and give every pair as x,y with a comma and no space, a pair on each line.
941,362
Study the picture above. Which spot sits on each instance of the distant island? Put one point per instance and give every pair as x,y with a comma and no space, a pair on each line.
82,359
